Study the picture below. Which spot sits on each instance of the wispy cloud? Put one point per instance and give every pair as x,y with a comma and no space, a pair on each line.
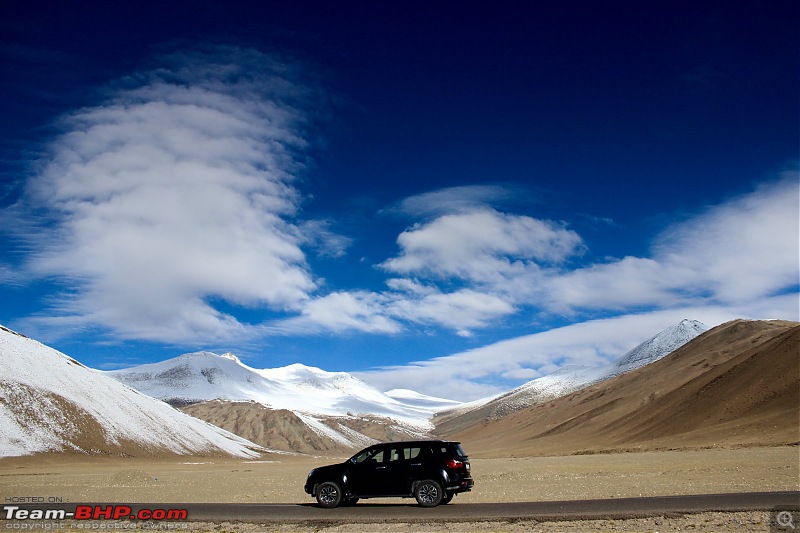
452,200
175,201
462,310
480,245
362,311
467,270
730,253
177,189
495,368
325,241
737,259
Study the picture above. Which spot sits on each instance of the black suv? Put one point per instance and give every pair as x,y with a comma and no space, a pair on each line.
432,471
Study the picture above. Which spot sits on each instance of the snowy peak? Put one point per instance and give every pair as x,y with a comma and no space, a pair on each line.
662,344
569,379
573,377
51,402
193,377
305,390
312,378
231,357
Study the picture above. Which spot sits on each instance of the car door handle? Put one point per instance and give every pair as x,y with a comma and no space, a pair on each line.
416,464
382,467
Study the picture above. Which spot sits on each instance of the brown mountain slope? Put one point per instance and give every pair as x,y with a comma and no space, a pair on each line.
271,428
280,429
736,385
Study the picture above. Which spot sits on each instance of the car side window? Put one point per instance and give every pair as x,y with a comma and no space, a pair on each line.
412,452
378,457
369,456
395,455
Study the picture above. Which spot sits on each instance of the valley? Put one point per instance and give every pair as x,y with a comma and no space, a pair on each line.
717,414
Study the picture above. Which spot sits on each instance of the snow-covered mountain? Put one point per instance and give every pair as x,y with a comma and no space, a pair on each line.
201,376
660,345
51,402
571,378
337,409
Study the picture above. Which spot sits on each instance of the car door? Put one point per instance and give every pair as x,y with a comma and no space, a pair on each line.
395,481
368,471
417,458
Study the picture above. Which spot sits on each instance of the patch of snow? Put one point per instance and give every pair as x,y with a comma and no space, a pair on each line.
299,388
572,378
423,401
35,424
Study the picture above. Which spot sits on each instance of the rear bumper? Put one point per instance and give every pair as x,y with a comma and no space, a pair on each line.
465,485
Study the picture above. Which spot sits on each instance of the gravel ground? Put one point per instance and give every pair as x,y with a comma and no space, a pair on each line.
701,522
125,480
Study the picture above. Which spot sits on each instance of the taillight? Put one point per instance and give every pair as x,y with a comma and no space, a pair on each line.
452,463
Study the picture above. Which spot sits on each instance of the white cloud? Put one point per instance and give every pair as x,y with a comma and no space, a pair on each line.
467,270
461,311
482,246
738,259
323,239
742,250
455,200
175,191
343,311
495,368
177,197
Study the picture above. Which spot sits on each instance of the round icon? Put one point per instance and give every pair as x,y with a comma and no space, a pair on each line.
785,519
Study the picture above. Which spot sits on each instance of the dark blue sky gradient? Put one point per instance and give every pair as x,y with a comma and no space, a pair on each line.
618,118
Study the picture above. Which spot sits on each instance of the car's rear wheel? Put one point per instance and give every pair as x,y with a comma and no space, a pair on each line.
329,494
428,493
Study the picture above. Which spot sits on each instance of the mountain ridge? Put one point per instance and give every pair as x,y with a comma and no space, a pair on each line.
569,379
308,409
735,385
40,384
51,402
204,376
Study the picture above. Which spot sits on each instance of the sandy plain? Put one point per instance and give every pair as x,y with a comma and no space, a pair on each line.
280,480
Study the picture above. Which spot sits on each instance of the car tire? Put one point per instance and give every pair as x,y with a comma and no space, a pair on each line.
428,493
329,495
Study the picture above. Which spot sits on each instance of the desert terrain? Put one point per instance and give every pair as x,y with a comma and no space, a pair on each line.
720,415
736,385
280,479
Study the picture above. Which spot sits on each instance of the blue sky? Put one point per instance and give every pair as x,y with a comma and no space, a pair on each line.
432,196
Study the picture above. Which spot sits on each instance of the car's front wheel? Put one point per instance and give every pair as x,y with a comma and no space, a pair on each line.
428,493
329,494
